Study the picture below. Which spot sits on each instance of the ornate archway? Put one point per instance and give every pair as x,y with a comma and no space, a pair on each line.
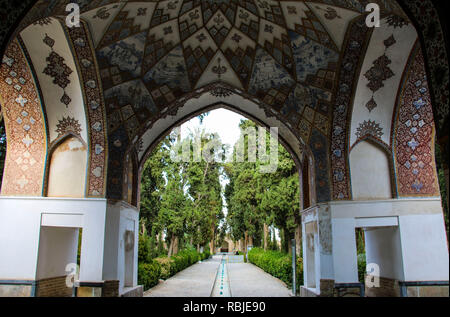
133,70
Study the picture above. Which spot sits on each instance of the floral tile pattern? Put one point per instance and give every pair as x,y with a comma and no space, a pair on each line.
414,134
27,138
150,54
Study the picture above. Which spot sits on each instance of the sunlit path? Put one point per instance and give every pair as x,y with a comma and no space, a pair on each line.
248,280
195,281
245,280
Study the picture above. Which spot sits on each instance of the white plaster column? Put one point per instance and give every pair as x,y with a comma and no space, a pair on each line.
345,260
21,220
120,217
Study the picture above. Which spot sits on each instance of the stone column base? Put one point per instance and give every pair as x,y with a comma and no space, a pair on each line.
428,291
137,291
110,288
387,288
53,287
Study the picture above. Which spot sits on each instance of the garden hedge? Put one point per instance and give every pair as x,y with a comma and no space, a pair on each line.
277,264
163,267
148,274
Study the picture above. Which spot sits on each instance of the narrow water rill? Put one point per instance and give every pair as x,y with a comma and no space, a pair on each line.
222,284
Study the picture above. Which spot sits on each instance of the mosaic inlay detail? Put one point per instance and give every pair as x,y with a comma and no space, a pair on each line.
94,103
67,125
369,128
257,23
379,72
414,134
58,70
27,139
352,57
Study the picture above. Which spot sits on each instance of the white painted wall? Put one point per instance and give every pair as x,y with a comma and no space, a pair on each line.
67,171
120,218
407,238
57,248
386,96
344,251
20,226
366,158
424,247
383,247
309,248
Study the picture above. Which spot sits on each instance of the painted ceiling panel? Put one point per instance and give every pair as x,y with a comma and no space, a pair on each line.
380,78
58,78
276,51
100,18
334,19
132,19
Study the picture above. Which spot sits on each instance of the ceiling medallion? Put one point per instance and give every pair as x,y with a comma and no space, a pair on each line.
221,92
371,104
219,70
369,128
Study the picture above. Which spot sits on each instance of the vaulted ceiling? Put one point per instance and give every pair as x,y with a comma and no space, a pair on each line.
297,58
150,53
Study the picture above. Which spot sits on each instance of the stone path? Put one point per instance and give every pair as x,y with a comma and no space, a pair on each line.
246,280
195,281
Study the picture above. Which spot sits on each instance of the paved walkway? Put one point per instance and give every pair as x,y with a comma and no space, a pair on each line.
246,280
195,281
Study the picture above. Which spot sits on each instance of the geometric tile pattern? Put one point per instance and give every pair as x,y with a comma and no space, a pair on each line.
178,41
310,27
133,19
94,102
414,134
436,56
25,123
352,57
139,63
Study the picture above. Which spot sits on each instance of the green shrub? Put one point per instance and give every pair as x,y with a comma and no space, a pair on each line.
205,254
178,262
361,266
144,249
277,264
165,264
148,274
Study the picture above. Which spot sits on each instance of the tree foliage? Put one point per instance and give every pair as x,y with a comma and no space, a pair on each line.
255,198
181,199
